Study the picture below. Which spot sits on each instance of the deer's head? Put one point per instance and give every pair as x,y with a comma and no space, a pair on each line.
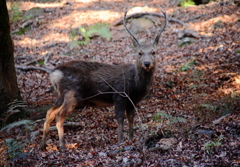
146,52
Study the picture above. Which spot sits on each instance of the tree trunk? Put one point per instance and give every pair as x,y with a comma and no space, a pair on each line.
8,81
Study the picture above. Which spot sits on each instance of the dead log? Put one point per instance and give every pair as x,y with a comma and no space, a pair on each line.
137,15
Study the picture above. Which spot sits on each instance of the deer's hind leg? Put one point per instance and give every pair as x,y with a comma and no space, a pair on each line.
51,114
67,107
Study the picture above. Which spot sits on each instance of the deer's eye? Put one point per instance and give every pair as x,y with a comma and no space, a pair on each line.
140,53
153,53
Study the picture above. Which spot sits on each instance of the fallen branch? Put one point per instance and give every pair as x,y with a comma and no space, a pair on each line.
46,58
219,120
34,134
137,15
33,68
195,17
45,68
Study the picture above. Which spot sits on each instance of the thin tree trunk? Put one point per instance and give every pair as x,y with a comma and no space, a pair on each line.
8,81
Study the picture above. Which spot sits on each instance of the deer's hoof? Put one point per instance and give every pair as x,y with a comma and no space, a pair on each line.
42,146
62,147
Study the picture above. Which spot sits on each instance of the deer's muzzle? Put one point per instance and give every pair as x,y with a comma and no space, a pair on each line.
147,64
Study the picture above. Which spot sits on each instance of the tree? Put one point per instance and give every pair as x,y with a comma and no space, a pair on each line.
8,81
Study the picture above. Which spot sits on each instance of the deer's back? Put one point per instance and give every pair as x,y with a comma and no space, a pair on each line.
95,84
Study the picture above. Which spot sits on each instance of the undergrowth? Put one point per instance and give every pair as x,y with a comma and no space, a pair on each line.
82,35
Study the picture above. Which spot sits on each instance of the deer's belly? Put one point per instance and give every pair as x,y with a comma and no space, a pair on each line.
97,103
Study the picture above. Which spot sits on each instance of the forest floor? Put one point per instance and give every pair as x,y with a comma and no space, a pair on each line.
191,116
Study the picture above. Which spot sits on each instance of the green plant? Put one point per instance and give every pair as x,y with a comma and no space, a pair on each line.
210,146
188,65
28,124
230,104
41,62
101,29
209,107
15,13
21,31
14,149
187,3
28,17
163,120
206,112
161,115
197,78
238,51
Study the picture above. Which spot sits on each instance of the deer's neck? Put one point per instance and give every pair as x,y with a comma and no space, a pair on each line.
144,75
144,79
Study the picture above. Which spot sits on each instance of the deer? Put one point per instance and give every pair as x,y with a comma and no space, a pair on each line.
82,83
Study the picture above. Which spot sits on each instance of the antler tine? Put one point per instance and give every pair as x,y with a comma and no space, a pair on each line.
124,23
160,32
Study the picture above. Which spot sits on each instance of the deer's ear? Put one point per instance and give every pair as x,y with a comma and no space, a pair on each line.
135,43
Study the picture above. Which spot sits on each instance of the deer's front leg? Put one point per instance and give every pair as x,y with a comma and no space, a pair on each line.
130,115
119,110
120,129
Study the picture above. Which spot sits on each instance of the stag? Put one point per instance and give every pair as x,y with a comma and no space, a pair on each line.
81,83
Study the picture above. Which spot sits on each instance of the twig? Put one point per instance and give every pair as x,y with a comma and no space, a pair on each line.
137,15
114,88
123,94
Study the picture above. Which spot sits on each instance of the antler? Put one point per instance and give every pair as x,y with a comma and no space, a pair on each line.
160,32
124,22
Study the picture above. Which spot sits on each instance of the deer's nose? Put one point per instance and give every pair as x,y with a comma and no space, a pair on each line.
147,64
